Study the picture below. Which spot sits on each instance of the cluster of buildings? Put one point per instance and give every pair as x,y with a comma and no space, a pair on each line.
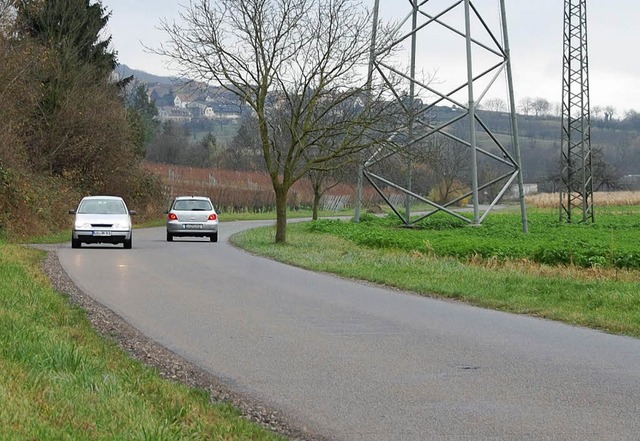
184,104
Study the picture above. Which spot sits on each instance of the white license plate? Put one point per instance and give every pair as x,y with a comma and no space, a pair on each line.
193,226
102,233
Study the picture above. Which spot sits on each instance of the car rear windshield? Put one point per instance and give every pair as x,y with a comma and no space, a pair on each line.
192,205
102,206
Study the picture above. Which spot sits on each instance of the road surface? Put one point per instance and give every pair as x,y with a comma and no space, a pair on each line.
359,362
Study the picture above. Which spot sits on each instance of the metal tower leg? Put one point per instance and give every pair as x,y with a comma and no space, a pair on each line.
424,103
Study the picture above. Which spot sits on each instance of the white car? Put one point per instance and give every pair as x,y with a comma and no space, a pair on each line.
192,216
102,219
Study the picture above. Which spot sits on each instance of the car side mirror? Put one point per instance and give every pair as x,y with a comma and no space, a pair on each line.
133,212
72,211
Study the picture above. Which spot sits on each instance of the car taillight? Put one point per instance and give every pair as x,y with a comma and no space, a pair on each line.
213,216
172,216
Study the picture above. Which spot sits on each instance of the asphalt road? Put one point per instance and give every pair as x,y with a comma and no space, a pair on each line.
359,362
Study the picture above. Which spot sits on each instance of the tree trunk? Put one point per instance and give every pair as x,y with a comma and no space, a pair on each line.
281,213
316,203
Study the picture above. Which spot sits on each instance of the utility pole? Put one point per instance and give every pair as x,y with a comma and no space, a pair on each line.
576,197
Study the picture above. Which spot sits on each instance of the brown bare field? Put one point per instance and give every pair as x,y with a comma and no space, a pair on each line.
600,198
241,191
244,191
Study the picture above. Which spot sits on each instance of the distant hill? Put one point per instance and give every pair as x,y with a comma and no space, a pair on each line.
125,71
616,142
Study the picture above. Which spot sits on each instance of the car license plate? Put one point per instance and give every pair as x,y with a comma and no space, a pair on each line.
102,233
193,226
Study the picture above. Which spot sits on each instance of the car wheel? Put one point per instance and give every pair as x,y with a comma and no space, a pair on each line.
214,237
169,237
75,243
127,243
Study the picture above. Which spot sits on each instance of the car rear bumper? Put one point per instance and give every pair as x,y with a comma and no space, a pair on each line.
193,229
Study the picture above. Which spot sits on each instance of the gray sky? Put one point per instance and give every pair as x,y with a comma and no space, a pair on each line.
534,28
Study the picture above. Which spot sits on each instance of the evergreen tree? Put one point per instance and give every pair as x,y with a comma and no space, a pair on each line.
142,115
71,31
169,145
206,151
71,28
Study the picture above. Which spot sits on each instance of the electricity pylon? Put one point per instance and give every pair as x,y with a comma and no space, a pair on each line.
455,106
576,198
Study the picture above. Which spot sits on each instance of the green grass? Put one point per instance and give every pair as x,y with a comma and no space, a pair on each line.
614,241
61,380
492,266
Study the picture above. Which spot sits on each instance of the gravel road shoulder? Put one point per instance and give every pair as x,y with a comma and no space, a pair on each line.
170,365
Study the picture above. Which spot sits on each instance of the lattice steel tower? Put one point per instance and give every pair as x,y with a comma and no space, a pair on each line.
576,197
446,113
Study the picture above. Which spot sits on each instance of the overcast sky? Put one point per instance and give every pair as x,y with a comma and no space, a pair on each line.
534,28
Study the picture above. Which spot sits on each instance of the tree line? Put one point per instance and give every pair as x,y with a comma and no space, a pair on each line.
65,129
603,116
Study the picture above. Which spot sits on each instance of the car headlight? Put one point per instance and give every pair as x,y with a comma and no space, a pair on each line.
83,226
121,226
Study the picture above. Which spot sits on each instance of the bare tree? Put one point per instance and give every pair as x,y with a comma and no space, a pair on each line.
293,62
540,106
321,182
605,175
526,105
609,112
596,111
495,105
448,164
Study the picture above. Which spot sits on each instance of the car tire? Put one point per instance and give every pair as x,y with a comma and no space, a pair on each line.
75,243
169,237
127,243
213,237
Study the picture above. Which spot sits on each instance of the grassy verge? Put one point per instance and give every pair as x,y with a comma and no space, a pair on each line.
490,266
61,380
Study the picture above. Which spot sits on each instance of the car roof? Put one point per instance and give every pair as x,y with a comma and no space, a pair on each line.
103,197
190,197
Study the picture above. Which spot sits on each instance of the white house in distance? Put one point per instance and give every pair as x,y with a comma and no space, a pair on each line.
182,101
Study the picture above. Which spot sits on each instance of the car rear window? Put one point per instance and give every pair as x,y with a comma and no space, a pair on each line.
192,205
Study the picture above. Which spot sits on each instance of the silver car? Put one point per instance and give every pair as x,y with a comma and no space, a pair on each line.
192,216
102,219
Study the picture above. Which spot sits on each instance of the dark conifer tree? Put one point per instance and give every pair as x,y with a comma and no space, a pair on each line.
71,28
